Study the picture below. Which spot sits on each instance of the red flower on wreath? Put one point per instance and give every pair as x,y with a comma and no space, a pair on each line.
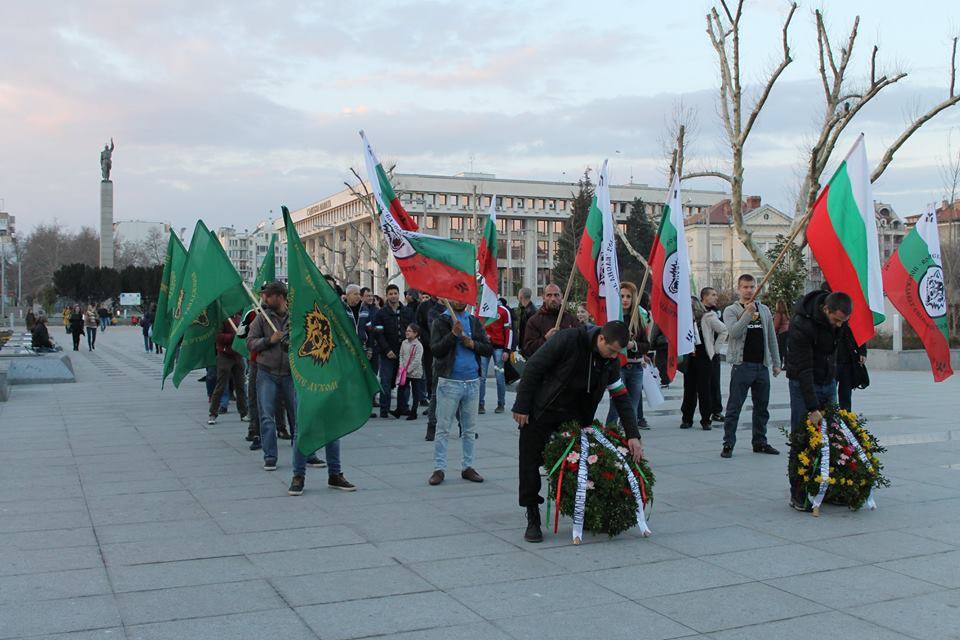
853,465
573,467
607,475
626,490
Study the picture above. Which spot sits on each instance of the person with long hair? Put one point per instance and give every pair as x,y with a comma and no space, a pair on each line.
90,323
75,325
637,347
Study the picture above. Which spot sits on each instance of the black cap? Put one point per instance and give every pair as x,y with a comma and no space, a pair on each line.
275,288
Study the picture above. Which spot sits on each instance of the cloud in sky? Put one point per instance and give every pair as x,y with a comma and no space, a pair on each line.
225,110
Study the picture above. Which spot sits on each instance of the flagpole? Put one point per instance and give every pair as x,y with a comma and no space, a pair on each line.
232,325
256,301
635,315
566,293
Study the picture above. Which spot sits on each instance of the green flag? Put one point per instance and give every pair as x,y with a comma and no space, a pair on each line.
207,275
266,273
332,376
172,270
198,349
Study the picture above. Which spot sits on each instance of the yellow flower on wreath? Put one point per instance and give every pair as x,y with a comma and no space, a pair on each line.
832,480
804,459
818,479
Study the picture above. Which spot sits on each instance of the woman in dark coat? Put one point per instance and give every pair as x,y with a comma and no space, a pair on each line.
76,325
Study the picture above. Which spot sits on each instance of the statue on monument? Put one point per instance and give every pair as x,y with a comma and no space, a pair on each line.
105,160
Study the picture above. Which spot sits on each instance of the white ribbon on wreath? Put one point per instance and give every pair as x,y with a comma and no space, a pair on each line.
817,500
634,485
580,501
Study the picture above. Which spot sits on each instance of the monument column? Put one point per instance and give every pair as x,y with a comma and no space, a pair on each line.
106,223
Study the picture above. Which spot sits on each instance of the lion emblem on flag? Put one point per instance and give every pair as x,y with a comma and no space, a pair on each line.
318,337
203,319
933,293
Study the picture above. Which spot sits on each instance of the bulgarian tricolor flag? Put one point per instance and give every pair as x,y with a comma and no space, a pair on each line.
843,238
597,256
671,306
913,280
487,302
439,266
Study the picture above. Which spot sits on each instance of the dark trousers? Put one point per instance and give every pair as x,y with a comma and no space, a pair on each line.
91,337
533,439
826,394
76,339
845,385
427,372
755,378
388,375
716,398
229,370
413,390
696,389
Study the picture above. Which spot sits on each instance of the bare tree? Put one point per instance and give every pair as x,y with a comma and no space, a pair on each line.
950,172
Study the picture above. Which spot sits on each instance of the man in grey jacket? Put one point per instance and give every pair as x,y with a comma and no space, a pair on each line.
751,350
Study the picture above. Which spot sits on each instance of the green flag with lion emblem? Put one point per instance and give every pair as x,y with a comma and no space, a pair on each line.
333,378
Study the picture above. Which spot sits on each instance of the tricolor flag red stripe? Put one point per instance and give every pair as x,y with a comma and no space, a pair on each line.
597,256
487,267
843,238
913,280
617,388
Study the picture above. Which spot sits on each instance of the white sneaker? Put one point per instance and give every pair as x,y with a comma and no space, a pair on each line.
212,420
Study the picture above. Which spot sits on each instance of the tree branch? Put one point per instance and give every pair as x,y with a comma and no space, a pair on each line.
629,247
708,174
909,131
773,78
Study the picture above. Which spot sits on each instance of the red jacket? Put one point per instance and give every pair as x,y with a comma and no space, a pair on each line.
500,331
225,338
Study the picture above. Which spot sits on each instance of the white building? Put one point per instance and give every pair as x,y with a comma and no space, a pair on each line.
344,240
247,249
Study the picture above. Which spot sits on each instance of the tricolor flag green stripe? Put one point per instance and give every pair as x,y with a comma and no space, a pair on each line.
488,286
843,238
913,280
597,256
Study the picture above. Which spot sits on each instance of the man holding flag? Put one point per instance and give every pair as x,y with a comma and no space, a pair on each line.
495,315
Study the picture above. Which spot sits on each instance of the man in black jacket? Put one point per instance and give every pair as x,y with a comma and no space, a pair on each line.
564,381
391,323
811,368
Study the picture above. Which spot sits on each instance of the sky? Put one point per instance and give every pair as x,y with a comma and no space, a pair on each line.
226,110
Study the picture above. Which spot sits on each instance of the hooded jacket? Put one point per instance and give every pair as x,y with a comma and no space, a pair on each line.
567,376
812,345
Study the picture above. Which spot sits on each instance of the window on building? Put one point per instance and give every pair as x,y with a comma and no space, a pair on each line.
542,226
529,203
501,225
516,224
442,199
716,251
543,247
622,226
543,278
519,203
501,247
557,226
562,205
432,199
551,205
431,222
539,203
486,201
507,201
500,202
453,199
516,279
516,249
456,223
556,248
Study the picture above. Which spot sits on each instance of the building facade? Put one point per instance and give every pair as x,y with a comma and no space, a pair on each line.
247,249
8,254
344,240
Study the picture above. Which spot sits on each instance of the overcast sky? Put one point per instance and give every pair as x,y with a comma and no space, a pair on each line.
226,110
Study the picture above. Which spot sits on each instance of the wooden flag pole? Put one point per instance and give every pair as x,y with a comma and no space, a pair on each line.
232,325
256,301
566,295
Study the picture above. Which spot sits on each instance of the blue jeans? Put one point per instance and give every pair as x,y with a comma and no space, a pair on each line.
332,452
498,373
454,395
147,342
388,376
269,387
632,376
104,321
755,378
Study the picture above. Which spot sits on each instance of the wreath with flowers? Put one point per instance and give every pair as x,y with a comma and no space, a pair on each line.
593,479
838,460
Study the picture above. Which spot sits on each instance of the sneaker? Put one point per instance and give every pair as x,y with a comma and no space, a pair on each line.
296,486
765,448
283,434
212,420
471,474
270,464
643,425
255,445
339,482
717,417
315,462
803,507
706,426
244,418
686,425
499,409
481,410
727,452
435,478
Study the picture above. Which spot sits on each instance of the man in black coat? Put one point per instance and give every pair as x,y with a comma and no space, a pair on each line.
564,381
815,329
390,326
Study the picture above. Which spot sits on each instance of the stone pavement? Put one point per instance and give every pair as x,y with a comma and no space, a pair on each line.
123,516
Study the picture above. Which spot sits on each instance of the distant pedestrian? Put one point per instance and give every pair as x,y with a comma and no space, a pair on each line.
714,332
40,337
524,311
781,325
90,323
543,325
631,373
104,316
76,325
500,333
146,323
229,371
30,320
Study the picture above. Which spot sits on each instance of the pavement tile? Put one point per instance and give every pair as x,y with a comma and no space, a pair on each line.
58,616
355,584
940,568
799,629
388,615
179,603
934,616
543,595
502,567
278,623
832,587
54,585
719,540
775,562
306,561
20,561
665,578
878,546
164,575
445,547
629,622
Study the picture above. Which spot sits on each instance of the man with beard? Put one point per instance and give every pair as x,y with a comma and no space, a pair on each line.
543,325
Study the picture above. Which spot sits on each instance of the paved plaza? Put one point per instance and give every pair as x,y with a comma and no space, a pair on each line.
122,515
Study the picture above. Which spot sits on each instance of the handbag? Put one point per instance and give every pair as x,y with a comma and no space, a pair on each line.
859,376
402,372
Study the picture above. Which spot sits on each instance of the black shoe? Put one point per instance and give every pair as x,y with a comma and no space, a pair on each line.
803,507
533,532
765,448
396,413
643,425
250,437
717,417
270,464
481,410
686,425
426,412
315,462
374,415
412,416
339,482
431,433
223,410
255,445
500,409
296,486
706,426
727,452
